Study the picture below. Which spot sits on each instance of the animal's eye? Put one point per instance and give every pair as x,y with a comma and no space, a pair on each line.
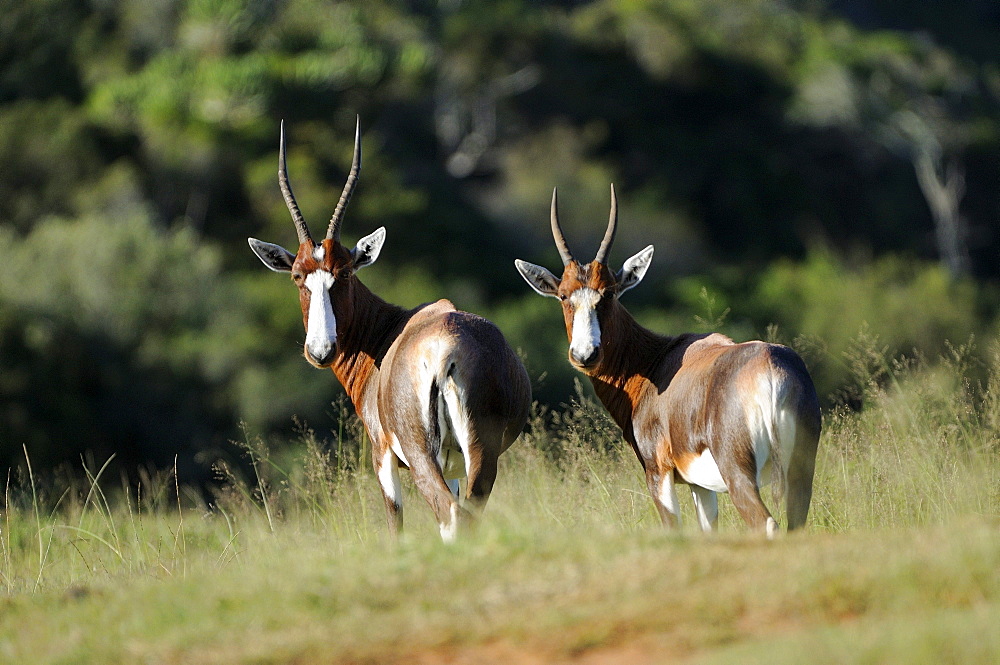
297,276
562,296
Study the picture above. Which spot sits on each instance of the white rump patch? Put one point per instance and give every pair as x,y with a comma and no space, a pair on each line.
704,472
453,422
461,427
586,334
321,333
770,424
429,361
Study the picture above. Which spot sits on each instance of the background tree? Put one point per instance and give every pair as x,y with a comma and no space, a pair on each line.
802,165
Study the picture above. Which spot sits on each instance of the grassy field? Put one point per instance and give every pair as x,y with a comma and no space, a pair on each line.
899,562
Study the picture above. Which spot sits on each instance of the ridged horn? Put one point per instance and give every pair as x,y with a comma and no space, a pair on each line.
333,232
286,191
609,235
557,233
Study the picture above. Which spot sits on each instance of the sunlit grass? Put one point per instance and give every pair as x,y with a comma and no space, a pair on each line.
292,561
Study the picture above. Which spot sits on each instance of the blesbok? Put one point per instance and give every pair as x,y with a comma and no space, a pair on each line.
438,390
696,408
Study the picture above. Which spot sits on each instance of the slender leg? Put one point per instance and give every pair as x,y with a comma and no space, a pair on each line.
387,472
482,475
428,479
661,488
706,505
746,497
798,491
740,475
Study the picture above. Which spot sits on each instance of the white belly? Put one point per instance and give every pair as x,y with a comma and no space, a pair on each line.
704,472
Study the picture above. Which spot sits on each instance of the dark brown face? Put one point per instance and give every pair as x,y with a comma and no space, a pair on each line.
323,273
586,292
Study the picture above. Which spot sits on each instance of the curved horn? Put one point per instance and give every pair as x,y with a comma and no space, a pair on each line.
333,232
609,235
557,233
286,190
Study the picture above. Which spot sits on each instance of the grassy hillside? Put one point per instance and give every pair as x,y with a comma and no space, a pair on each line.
898,564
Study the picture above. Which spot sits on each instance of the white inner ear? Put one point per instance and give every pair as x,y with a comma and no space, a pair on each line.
538,278
368,248
275,257
634,269
586,334
321,327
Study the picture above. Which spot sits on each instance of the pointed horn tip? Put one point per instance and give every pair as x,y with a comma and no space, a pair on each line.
357,138
333,230
281,145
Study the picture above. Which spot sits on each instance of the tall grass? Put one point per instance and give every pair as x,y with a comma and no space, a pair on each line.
292,560
922,451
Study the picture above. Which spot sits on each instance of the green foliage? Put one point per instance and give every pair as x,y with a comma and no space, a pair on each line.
909,307
121,337
37,43
736,134
50,155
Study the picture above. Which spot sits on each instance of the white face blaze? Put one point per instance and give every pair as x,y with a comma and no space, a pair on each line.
321,332
586,333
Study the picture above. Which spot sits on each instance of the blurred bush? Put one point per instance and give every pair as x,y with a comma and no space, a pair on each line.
826,307
139,143
120,337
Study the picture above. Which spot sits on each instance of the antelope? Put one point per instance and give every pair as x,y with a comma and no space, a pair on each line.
697,409
437,389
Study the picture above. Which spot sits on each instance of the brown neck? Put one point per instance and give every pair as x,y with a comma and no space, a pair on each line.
633,359
363,340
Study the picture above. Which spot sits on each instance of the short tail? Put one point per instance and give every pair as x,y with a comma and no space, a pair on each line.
781,437
797,426
448,425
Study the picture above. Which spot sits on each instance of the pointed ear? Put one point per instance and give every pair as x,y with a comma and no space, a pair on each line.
538,278
275,257
634,270
368,248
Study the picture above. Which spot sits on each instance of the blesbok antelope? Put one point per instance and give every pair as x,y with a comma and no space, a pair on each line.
438,390
696,408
